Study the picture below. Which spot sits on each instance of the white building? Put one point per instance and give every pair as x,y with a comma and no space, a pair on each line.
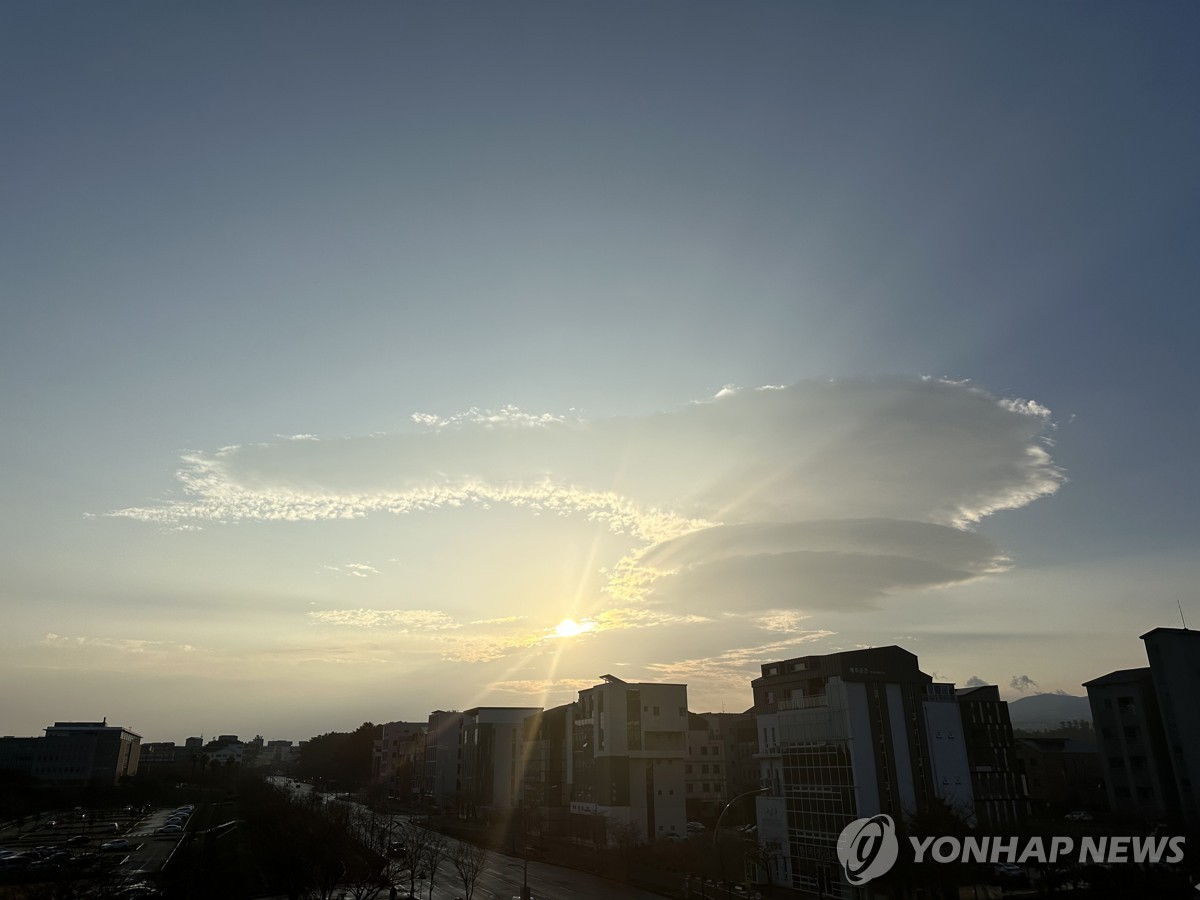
629,748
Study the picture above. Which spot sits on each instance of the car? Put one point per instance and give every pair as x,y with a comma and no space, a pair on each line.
110,827
79,840
113,846
1078,816
169,829
696,826
1008,872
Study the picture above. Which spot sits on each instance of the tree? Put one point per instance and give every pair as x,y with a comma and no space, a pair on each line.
469,862
436,852
412,863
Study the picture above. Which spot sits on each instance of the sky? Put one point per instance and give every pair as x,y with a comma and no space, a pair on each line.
360,360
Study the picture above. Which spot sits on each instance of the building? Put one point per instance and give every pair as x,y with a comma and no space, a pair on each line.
628,751
845,736
1133,746
492,772
997,785
441,768
547,761
1062,776
159,755
1172,653
394,759
722,763
706,772
75,753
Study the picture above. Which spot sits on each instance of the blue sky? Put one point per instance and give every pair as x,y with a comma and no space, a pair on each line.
223,226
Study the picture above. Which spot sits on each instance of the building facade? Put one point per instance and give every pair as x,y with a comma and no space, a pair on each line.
845,736
628,752
75,753
997,783
1138,776
1172,653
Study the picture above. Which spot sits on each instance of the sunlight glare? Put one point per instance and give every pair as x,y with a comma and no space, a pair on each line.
571,628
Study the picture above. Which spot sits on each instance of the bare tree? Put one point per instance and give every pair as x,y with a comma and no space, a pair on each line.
469,862
411,864
436,852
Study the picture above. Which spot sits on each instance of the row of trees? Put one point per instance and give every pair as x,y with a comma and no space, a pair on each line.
310,847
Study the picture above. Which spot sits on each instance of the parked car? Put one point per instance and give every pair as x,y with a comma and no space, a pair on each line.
169,829
112,846
79,840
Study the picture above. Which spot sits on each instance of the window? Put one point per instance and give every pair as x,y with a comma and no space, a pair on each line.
657,711
716,768
1132,732
687,770
704,770
704,751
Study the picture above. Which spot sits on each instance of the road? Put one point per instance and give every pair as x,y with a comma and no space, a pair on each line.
502,876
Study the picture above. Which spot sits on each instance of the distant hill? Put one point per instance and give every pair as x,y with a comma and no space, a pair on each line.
1045,711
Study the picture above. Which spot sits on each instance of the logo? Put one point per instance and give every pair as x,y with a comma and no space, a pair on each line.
867,848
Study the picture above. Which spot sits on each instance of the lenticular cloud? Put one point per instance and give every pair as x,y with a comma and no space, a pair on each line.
820,494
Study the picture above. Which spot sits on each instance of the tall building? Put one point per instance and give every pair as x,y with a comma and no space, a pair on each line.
999,790
1172,653
547,762
1133,745
845,736
441,782
492,738
628,751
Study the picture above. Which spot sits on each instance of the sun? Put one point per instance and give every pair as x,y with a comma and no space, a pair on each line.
571,628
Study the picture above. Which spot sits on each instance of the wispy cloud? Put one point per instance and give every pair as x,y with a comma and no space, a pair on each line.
124,645
737,666
402,620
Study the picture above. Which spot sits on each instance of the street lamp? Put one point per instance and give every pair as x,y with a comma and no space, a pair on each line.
717,833
524,875
717,829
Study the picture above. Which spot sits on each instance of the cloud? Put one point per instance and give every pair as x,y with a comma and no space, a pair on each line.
1022,684
542,688
125,645
734,667
403,620
975,681
821,495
